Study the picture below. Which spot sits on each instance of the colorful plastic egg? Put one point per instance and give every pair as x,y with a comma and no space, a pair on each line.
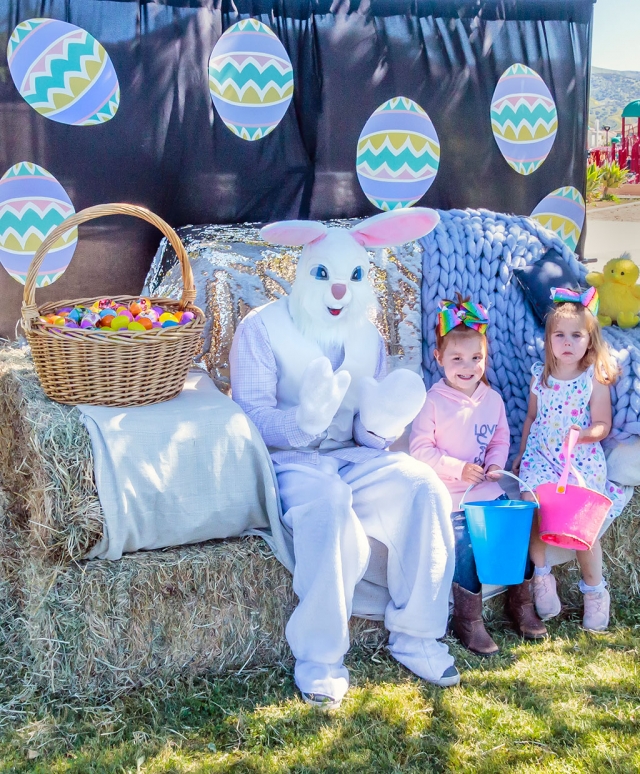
136,326
145,322
250,79
57,320
398,154
562,211
524,118
187,317
63,72
167,316
170,323
69,323
119,322
32,204
157,324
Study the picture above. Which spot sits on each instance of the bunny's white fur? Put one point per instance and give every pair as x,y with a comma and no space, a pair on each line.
315,310
337,492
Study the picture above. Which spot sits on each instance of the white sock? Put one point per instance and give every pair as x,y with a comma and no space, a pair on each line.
546,570
585,589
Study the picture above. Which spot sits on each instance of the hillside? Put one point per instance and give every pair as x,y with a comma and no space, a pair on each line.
611,90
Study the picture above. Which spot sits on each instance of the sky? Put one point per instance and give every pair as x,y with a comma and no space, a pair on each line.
616,34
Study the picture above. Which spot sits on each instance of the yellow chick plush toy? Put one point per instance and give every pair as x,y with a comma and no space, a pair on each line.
618,292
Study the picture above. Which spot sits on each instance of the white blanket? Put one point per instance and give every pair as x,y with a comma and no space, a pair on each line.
184,471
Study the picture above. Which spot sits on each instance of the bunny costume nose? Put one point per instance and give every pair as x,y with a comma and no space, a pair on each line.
338,290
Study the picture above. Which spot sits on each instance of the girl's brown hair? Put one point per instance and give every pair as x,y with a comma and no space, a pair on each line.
597,354
461,332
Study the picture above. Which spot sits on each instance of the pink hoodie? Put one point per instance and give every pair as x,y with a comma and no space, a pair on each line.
453,429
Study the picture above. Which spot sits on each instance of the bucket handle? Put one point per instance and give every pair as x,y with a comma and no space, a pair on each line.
567,450
504,473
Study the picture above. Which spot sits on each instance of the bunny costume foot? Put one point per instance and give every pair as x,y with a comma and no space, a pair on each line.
309,370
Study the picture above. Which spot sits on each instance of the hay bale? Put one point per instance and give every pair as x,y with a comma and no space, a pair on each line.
46,465
100,626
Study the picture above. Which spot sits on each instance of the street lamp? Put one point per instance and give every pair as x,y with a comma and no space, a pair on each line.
607,129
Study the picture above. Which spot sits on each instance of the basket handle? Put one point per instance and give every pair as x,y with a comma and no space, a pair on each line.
30,310
504,473
567,449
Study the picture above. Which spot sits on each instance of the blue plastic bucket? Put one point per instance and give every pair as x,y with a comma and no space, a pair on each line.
500,532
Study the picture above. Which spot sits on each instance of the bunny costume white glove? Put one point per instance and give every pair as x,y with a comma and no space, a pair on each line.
387,407
321,393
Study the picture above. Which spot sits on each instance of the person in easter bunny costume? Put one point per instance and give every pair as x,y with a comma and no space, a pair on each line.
309,370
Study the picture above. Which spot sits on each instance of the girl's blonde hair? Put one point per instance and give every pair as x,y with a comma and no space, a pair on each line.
461,332
597,354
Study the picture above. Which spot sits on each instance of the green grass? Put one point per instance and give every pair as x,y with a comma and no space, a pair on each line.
569,704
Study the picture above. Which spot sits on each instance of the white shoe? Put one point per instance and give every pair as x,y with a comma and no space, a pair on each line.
322,702
322,685
546,597
425,657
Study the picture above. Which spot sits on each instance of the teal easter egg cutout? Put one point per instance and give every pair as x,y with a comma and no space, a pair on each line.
524,118
32,204
250,79
562,211
63,72
398,154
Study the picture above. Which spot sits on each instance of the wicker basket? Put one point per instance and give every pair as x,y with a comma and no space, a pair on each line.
104,367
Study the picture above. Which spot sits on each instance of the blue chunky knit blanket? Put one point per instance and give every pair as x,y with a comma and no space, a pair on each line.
475,252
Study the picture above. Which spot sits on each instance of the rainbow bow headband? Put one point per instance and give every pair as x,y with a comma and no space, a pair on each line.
472,315
589,299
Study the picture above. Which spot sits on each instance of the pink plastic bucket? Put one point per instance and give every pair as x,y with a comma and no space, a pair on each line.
571,516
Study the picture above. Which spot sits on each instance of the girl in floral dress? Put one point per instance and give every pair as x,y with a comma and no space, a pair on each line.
570,390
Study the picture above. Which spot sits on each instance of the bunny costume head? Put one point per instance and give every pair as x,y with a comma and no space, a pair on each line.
332,294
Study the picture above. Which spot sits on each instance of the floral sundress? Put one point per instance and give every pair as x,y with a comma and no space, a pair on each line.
560,405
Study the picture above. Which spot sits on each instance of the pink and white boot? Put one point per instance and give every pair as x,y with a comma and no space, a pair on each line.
545,596
597,604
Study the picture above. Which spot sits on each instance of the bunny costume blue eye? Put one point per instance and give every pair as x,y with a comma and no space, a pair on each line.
319,272
357,274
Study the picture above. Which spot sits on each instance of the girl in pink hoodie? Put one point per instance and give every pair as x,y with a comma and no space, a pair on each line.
463,434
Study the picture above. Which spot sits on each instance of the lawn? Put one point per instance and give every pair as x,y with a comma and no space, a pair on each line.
568,704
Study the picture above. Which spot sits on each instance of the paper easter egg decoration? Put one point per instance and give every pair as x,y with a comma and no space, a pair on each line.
562,211
63,72
524,118
32,204
398,154
250,79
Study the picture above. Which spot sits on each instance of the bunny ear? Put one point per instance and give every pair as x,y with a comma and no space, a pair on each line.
396,227
293,232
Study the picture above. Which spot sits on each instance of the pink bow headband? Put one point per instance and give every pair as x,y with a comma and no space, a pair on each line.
589,298
472,315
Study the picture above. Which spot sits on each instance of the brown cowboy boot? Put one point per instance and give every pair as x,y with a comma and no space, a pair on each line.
520,609
467,623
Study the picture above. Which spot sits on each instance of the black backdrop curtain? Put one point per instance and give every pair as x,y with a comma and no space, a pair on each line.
167,149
